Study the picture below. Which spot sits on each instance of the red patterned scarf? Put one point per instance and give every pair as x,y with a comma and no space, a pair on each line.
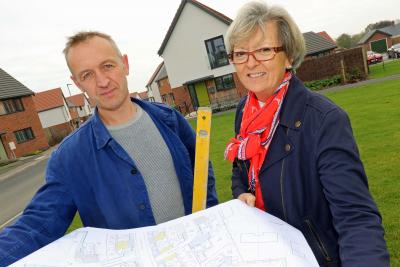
256,131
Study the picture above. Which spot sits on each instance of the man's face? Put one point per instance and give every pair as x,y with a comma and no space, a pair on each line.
101,72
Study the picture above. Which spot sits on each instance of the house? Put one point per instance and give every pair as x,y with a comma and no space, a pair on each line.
196,70
20,129
144,96
134,95
80,104
54,114
326,36
317,45
152,86
164,87
92,104
379,40
196,60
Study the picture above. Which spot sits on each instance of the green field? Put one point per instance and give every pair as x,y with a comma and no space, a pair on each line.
387,68
374,112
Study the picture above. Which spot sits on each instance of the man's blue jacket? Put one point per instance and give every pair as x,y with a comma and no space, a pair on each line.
91,173
313,179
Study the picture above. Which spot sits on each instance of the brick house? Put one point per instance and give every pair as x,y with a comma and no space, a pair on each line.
326,36
152,85
318,45
54,114
144,96
163,85
79,105
20,129
379,40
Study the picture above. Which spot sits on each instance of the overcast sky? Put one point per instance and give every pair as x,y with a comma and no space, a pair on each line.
33,32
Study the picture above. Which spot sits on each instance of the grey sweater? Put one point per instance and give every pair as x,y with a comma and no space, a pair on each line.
143,142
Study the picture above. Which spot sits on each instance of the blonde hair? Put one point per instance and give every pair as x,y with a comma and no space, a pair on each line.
253,16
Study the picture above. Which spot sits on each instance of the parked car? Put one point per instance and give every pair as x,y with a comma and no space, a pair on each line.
394,51
373,57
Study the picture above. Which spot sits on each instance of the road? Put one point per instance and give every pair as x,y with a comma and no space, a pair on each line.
17,190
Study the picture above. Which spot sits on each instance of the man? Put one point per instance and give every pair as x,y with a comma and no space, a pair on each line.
130,165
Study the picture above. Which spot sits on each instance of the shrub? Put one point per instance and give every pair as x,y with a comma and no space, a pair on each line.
321,84
354,75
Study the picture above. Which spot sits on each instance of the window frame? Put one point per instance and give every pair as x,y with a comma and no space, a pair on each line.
11,105
214,64
24,135
225,86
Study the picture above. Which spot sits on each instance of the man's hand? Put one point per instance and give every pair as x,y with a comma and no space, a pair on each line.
248,198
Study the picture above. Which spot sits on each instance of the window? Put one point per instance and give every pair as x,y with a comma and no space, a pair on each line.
24,135
216,52
169,99
11,106
224,82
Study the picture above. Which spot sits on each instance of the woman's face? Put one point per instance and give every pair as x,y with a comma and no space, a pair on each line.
262,77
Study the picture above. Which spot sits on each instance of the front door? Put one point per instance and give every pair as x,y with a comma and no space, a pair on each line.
202,94
3,154
193,96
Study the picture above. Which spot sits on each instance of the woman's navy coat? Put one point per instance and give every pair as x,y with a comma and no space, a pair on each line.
313,179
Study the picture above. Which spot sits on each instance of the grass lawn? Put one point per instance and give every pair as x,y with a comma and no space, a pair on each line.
387,68
375,113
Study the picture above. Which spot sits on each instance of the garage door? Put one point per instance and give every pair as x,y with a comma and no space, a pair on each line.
379,46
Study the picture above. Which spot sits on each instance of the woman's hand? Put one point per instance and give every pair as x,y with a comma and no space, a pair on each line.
248,198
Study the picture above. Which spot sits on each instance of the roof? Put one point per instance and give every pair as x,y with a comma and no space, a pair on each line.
203,7
315,43
153,76
134,94
161,74
199,79
143,95
49,99
76,100
10,87
392,30
92,102
326,36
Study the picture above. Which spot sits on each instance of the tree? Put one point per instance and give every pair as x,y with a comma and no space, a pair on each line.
379,25
344,41
355,38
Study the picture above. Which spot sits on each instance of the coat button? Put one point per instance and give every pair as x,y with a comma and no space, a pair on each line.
287,147
142,206
133,171
297,124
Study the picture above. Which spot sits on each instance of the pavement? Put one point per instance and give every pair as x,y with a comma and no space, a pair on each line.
22,163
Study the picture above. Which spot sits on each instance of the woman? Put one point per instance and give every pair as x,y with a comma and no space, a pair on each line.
294,154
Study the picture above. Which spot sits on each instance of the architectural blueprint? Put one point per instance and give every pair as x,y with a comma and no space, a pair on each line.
229,234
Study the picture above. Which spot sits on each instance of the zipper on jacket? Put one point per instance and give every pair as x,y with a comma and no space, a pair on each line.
283,202
319,241
281,182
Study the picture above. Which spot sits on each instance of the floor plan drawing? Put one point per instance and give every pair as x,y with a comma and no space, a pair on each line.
229,234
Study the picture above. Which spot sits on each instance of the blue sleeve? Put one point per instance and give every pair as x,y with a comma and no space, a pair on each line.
188,137
44,220
355,215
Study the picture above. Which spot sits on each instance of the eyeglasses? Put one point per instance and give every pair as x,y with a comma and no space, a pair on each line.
262,54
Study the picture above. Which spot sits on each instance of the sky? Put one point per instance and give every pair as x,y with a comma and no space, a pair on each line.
33,32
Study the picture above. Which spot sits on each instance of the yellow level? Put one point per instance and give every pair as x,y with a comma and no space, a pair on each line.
201,159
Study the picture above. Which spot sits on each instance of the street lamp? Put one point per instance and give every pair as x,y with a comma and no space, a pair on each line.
68,84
